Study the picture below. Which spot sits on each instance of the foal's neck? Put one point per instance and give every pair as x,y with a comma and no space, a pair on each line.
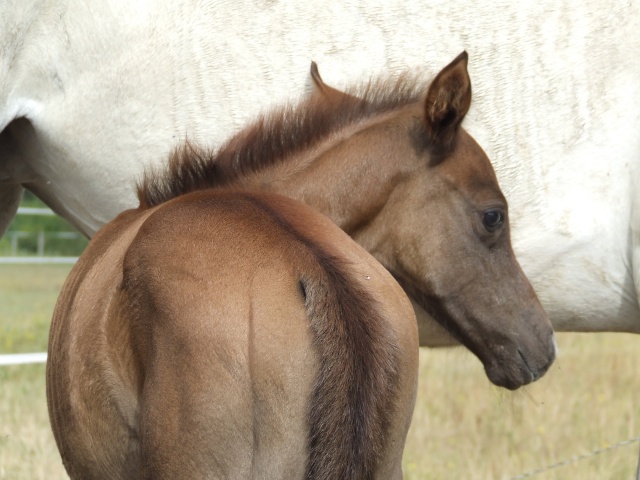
350,176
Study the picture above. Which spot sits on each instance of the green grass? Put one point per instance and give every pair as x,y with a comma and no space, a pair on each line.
27,297
463,427
49,225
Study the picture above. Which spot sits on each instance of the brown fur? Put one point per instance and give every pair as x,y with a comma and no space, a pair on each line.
124,389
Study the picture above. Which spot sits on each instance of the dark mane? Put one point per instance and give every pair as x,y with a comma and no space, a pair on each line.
272,139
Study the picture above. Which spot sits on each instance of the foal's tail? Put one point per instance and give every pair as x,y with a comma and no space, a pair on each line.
357,391
353,398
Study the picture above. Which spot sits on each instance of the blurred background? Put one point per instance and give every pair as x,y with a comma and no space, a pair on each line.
36,231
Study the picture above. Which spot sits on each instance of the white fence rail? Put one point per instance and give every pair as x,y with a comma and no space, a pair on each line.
23,358
16,236
37,260
35,211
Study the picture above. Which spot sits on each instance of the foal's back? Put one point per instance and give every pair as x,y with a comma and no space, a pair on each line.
242,336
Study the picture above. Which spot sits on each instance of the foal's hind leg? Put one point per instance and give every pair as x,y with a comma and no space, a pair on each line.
88,422
635,252
195,419
219,402
91,384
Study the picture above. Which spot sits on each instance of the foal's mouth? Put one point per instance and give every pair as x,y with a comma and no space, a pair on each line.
515,374
506,362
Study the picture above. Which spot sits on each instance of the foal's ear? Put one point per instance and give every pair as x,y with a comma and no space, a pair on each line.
332,95
446,105
318,83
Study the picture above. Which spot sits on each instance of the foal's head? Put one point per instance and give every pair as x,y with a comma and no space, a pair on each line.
444,233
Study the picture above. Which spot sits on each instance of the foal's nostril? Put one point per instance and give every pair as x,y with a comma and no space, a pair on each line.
538,369
534,372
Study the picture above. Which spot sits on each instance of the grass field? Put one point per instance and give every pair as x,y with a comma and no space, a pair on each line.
463,427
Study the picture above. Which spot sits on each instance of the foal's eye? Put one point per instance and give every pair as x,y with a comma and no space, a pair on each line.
492,219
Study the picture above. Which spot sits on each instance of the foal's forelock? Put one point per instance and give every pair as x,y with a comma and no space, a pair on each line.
274,139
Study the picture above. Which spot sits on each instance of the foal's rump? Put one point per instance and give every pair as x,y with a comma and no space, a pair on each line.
262,343
231,343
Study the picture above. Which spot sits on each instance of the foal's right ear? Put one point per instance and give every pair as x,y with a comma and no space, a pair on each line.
448,101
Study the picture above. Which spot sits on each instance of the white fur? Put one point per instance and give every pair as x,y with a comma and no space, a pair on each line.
110,87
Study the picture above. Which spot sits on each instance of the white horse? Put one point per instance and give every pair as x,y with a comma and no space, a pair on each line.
92,92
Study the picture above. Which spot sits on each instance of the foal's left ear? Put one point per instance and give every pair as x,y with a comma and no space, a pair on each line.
447,103
332,95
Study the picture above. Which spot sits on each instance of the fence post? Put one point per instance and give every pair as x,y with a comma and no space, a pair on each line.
14,244
40,243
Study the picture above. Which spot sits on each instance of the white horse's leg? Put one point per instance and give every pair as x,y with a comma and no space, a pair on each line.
10,196
634,227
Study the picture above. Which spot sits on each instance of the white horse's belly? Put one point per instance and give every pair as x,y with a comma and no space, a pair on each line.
584,283
573,236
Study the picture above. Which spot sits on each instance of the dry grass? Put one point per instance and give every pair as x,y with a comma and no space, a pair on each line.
27,448
463,427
